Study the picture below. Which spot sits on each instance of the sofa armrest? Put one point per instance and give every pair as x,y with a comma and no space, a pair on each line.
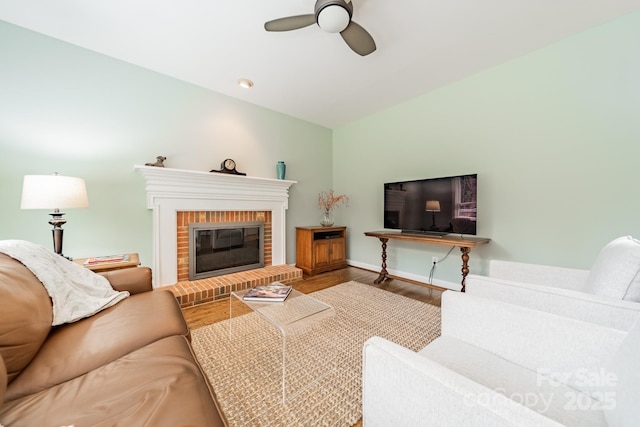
135,280
536,340
535,274
3,379
403,388
617,314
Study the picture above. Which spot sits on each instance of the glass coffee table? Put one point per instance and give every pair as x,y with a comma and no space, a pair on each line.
298,314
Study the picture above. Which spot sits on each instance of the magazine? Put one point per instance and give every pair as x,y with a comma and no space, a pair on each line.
106,259
275,292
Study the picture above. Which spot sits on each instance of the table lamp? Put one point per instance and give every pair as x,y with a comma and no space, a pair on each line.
433,206
54,192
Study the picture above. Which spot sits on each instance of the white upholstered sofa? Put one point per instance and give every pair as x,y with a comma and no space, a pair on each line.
608,294
502,364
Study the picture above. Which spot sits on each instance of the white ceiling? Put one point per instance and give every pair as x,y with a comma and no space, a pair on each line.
307,73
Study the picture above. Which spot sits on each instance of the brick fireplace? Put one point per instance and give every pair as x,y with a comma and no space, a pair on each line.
173,192
185,218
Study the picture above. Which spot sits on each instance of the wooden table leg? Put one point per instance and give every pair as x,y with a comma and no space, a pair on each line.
465,265
383,272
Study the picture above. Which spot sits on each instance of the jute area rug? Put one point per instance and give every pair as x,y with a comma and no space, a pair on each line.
245,369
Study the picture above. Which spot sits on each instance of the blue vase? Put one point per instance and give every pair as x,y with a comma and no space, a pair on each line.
281,169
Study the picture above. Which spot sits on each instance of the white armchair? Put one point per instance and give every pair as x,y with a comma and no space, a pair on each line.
499,364
607,295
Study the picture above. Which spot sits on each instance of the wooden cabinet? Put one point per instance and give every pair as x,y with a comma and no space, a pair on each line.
320,249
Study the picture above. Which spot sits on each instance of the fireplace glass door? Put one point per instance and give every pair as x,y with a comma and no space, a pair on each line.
222,248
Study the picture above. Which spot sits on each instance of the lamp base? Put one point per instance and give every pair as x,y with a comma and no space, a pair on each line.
57,221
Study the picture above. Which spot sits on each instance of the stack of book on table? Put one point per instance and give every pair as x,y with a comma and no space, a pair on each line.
274,292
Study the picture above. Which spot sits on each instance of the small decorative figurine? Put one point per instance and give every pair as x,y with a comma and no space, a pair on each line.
159,162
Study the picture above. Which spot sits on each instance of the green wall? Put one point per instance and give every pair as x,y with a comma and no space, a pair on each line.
554,137
79,113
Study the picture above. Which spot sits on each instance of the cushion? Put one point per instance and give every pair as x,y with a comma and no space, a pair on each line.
615,272
77,348
3,379
621,379
25,315
158,385
532,389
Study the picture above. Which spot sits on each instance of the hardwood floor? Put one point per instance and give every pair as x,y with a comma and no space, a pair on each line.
216,311
206,314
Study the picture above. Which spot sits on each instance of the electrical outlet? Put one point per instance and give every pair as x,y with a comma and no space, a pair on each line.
434,259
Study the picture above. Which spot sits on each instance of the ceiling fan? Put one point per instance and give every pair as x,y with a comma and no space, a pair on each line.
332,16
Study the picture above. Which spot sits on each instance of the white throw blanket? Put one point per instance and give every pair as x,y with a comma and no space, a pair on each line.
76,291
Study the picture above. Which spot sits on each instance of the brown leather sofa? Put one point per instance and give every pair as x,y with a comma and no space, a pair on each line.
128,365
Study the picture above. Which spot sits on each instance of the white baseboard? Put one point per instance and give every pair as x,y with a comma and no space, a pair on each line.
405,275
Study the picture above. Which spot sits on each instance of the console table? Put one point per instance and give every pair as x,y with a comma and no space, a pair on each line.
464,243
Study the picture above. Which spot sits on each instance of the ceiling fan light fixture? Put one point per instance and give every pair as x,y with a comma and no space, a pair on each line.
245,83
333,18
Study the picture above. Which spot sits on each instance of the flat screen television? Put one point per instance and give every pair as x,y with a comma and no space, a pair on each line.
432,206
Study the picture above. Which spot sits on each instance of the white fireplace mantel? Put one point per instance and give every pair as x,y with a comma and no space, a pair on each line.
171,190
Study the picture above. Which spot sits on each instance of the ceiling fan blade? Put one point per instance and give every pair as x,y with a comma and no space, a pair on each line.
290,23
358,39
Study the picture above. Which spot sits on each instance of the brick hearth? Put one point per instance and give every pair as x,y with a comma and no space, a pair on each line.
190,293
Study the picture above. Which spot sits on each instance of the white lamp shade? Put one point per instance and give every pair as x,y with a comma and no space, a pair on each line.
433,206
53,192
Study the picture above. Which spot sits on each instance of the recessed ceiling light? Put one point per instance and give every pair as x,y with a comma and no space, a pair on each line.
245,83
